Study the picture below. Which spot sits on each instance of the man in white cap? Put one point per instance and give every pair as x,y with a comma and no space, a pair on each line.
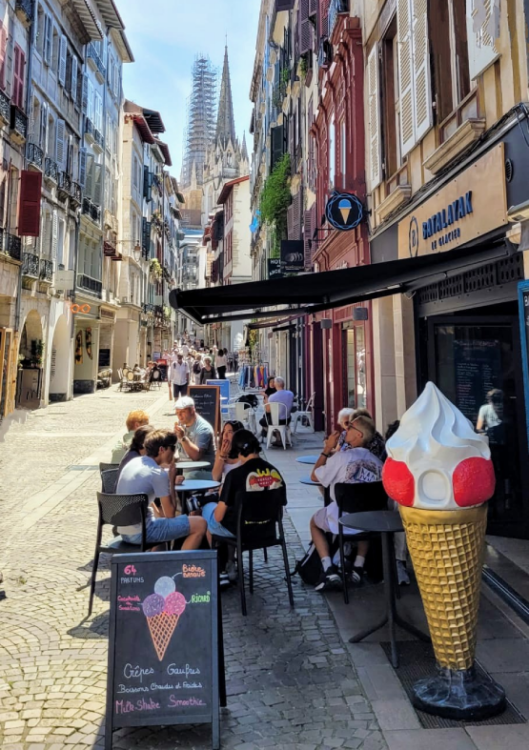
196,437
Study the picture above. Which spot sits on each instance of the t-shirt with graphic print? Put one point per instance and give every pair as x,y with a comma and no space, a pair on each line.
255,475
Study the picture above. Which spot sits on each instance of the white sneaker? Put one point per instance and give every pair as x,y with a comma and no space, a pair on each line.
402,574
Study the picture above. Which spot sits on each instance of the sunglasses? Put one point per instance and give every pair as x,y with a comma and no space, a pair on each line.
352,427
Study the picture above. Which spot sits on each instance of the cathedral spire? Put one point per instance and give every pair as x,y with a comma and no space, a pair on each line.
244,149
225,119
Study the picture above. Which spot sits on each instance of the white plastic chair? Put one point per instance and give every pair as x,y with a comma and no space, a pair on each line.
307,414
245,414
279,411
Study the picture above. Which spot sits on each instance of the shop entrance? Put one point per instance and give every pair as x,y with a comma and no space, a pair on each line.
354,367
476,362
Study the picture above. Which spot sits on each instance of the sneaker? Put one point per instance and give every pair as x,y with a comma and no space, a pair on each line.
231,571
357,576
329,580
402,574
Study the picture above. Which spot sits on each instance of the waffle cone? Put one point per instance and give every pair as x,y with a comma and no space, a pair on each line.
447,549
162,628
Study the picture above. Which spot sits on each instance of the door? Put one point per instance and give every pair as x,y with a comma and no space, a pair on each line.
476,363
354,361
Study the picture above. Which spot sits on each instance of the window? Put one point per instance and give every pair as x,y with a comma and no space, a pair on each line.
3,47
41,22
449,55
48,39
18,77
63,51
343,152
332,153
50,146
55,45
391,101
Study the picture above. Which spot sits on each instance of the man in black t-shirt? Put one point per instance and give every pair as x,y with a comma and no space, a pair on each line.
254,475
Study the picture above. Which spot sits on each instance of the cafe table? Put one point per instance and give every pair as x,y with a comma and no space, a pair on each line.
309,460
386,523
189,486
310,481
184,465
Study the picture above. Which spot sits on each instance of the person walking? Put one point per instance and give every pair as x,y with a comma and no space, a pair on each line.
221,363
179,376
208,371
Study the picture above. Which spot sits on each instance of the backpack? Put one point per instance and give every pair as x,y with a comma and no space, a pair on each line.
309,567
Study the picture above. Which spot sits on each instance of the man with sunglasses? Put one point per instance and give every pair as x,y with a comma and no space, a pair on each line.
356,465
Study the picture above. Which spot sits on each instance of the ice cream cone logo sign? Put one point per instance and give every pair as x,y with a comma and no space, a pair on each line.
163,609
440,472
76,309
344,211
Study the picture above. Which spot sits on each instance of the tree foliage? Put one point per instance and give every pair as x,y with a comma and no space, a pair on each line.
275,200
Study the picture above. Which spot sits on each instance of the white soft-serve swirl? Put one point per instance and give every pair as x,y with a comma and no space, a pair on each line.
433,433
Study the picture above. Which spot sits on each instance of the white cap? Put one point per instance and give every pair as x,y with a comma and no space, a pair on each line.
184,402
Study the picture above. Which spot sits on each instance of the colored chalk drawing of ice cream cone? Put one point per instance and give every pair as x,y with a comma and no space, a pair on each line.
163,610
440,472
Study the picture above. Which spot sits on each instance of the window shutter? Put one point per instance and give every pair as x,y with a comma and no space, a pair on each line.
62,60
18,77
305,28
43,126
421,65
90,100
61,144
3,48
313,7
73,87
373,95
82,167
98,112
48,39
54,235
98,184
89,182
483,30
85,95
407,114
307,238
29,204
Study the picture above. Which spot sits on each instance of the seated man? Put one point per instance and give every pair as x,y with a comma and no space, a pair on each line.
144,475
195,436
356,465
281,396
135,419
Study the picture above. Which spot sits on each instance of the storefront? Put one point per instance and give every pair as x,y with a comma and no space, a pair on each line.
87,327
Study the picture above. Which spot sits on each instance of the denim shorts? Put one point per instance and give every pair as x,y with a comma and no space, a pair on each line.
214,527
162,530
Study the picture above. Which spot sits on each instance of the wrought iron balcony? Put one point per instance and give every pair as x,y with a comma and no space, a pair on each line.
98,138
35,155
89,129
51,170
23,9
92,285
95,213
76,194
19,125
157,182
148,308
86,206
30,264
95,61
13,246
5,108
46,270
146,253
64,183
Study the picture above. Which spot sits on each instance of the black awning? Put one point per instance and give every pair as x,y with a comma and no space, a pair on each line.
312,293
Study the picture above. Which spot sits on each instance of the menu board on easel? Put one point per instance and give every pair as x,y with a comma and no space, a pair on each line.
165,643
207,403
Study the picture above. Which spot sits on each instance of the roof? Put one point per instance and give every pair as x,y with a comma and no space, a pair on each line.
155,121
164,148
228,187
88,19
110,14
136,113
315,292
122,43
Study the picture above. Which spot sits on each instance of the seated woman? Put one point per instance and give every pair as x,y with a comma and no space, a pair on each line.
253,475
225,460
345,417
137,447
135,419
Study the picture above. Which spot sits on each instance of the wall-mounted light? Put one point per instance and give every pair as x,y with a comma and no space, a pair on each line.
360,313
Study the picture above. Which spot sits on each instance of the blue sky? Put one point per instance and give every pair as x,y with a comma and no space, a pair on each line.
165,36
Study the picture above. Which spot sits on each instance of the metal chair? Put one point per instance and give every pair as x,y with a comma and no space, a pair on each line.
259,526
118,510
304,414
357,498
279,413
156,379
245,414
107,467
109,481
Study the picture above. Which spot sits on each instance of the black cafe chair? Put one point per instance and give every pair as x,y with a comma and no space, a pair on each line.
106,467
109,481
357,498
118,510
259,526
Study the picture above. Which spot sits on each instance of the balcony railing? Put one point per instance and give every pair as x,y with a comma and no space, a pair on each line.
51,170
46,270
35,155
90,284
336,7
5,108
92,210
64,184
94,58
13,246
76,194
148,308
19,125
30,265
98,138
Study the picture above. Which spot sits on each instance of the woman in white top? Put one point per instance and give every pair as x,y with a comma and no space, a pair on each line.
221,363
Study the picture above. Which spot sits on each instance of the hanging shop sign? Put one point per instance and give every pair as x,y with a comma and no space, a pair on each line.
344,211
275,269
292,256
471,205
84,309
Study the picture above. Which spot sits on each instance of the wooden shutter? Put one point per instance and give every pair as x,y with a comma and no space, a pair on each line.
48,39
405,47
483,30
85,95
98,184
3,48
29,204
98,115
43,126
61,145
63,49
307,238
18,77
305,28
373,105
73,87
89,182
54,234
421,66
313,7
82,167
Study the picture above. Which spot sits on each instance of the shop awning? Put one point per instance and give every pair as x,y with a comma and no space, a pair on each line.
312,293
275,322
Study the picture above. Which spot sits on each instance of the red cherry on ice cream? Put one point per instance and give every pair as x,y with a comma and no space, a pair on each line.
398,482
473,482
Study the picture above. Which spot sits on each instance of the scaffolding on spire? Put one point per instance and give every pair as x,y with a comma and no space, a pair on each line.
201,122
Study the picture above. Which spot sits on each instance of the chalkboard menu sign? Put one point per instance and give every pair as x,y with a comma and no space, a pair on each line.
163,656
207,403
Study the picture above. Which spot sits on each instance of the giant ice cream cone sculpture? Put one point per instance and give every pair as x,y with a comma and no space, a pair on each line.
162,613
440,472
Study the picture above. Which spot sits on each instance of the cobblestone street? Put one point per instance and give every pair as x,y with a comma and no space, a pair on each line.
290,681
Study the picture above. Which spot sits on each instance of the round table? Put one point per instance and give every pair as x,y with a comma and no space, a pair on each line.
310,481
192,465
386,523
310,460
194,485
